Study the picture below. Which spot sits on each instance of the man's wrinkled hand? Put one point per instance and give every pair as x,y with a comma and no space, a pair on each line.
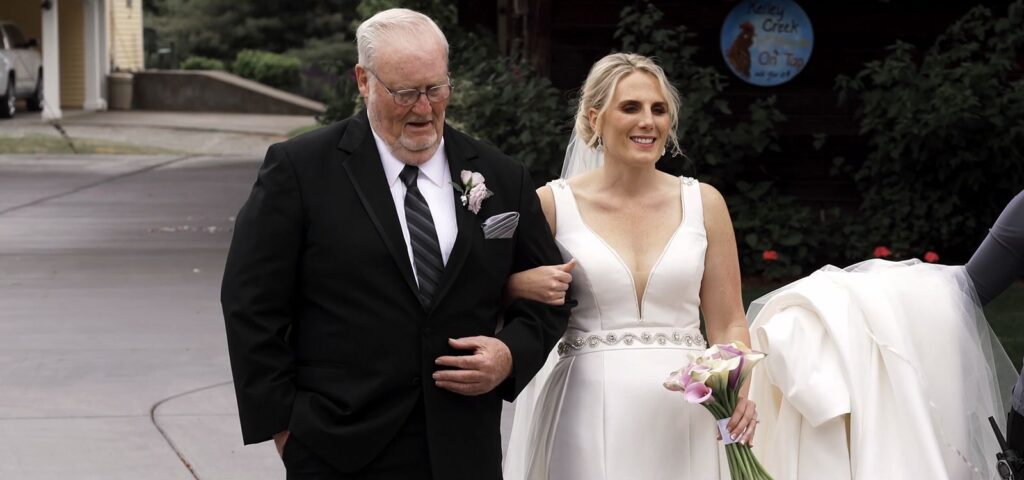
476,374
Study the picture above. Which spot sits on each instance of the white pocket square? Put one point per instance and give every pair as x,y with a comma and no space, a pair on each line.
502,225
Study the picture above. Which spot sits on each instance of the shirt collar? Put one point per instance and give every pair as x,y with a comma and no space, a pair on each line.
434,169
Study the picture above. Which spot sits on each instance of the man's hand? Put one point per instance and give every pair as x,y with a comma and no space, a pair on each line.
489,365
279,440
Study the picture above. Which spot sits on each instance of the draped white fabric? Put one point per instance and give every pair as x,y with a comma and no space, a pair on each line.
883,370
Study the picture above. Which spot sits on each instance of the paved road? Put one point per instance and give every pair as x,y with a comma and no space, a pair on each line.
111,328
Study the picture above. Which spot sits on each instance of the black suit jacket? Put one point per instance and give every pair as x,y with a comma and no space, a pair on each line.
325,333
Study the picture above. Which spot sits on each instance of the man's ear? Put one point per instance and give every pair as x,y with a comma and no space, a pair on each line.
362,80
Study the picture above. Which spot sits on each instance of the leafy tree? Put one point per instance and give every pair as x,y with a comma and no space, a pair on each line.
221,28
945,130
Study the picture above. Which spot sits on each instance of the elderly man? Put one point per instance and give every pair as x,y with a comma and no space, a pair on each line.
364,283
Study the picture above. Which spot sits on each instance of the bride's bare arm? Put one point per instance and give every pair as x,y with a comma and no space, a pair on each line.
720,297
546,284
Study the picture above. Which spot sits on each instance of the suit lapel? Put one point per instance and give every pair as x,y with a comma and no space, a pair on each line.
364,167
460,157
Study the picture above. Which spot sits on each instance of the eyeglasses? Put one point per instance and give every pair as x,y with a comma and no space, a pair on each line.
410,96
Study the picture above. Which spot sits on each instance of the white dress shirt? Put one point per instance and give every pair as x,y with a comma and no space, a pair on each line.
434,182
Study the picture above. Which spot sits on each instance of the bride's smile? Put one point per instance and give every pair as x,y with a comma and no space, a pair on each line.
635,124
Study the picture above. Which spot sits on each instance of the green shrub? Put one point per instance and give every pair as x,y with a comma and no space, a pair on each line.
273,69
343,98
201,63
945,132
504,101
777,237
325,62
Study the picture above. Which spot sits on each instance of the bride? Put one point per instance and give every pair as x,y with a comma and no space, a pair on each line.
650,251
880,370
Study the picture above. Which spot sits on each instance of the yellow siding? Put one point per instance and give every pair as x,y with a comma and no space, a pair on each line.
126,34
72,53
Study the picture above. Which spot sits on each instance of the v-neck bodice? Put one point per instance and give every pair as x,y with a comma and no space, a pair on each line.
603,284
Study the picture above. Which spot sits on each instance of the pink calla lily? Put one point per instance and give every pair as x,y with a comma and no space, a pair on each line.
697,393
734,375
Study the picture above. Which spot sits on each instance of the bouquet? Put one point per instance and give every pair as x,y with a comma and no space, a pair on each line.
714,380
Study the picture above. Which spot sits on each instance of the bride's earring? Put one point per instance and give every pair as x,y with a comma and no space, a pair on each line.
678,152
600,146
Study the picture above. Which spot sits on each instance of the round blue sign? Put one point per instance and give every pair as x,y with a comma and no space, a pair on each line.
767,42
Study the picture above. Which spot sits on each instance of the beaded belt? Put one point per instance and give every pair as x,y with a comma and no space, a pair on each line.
586,342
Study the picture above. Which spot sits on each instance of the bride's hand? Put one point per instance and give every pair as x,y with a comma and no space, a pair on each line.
545,284
743,421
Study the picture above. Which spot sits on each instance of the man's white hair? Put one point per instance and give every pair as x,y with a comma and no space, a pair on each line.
393,26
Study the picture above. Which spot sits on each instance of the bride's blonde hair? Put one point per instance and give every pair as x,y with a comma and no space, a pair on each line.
600,85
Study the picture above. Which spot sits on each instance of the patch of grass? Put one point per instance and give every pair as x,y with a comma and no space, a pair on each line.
1005,314
299,131
51,144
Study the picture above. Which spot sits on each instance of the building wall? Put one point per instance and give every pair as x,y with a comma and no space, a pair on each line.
126,34
71,18
25,13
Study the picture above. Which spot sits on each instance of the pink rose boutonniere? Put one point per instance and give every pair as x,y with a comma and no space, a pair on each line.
473,189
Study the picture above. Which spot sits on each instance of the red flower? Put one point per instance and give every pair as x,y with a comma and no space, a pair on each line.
931,257
882,252
770,255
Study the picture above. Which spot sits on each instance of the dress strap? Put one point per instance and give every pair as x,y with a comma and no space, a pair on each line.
567,215
693,208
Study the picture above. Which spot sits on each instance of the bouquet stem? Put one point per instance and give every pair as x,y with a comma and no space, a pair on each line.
743,465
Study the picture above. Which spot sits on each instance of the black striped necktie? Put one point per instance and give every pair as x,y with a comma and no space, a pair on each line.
426,250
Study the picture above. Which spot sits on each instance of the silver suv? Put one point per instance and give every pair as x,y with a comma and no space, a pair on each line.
21,70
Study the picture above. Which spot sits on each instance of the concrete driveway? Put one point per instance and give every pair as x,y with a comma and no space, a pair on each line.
113,358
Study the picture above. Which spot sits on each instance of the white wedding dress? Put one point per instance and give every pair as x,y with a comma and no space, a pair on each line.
597,410
882,370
